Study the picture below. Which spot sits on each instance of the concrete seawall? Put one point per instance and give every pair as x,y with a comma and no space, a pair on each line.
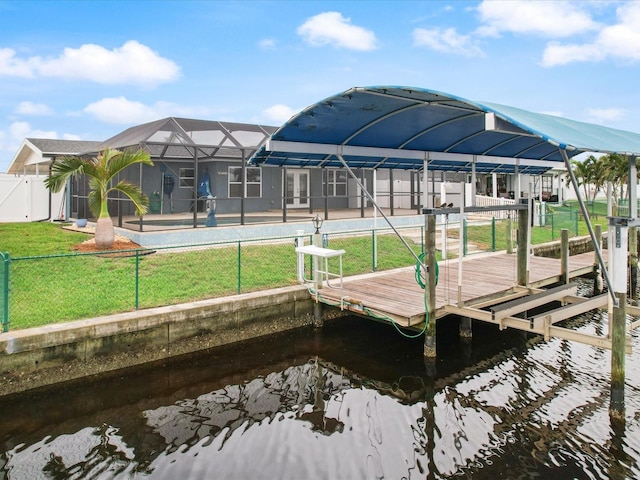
59,352
576,245
54,353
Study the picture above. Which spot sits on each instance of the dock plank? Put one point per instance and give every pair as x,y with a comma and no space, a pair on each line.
396,294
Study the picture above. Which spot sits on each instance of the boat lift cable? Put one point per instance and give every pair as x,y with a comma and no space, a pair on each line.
420,265
585,214
363,189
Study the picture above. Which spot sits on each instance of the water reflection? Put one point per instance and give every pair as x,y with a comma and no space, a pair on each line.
351,401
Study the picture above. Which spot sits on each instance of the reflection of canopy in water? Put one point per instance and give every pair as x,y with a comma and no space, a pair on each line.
243,405
453,426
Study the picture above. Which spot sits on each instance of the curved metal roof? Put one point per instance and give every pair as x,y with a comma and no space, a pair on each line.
401,127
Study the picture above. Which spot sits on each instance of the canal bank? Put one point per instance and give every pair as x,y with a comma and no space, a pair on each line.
55,353
42,356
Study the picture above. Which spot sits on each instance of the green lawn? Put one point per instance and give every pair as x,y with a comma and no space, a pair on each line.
50,283
38,238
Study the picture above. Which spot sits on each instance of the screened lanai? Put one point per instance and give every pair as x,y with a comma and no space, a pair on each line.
197,163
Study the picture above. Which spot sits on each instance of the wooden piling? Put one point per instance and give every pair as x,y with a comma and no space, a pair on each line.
633,264
430,260
523,247
564,255
597,273
317,308
466,332
318,315
618,340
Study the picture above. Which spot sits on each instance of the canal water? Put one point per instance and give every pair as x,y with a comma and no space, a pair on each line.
354,400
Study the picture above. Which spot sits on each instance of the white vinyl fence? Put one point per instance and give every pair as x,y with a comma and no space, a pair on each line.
24,198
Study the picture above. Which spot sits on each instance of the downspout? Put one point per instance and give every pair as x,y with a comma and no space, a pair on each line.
585,214
50,195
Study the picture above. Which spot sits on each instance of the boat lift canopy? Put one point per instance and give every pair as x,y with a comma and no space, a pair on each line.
402,127
418,129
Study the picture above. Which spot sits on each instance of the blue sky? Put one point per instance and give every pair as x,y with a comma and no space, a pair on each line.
90,69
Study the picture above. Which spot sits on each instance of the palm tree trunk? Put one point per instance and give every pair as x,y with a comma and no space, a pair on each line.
105,233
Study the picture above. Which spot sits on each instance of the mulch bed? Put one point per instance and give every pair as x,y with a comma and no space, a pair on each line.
121,243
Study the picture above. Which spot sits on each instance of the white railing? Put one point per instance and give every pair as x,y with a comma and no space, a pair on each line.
484,201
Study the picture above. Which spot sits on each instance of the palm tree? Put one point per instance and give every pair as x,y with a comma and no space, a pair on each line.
102,170
583,171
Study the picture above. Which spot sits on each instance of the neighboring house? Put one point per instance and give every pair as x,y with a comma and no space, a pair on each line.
23,196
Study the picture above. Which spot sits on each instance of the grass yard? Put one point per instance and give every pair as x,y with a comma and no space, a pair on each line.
38,238
50,282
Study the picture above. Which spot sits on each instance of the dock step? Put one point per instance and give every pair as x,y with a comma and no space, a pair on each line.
520,305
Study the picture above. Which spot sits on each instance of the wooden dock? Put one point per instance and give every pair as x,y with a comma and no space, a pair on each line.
487,279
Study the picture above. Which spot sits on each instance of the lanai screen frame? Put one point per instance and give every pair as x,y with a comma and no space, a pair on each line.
227,146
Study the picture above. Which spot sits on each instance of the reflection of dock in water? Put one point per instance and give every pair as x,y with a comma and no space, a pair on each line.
457,421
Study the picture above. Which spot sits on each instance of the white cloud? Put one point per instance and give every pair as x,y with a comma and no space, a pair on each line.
605,115
545,18
18,131
71,136
133,63
446,41
15,67
31,108
558,54
331,28
267,44
620,41
11,140
120,110
278,113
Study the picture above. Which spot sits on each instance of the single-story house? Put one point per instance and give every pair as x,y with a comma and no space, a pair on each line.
195,160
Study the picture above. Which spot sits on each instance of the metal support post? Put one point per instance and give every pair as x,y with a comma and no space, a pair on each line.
509,234
585,214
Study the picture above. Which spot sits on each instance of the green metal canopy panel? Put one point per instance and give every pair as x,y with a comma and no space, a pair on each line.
402,127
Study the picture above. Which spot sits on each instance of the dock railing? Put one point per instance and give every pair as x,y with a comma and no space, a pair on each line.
484,201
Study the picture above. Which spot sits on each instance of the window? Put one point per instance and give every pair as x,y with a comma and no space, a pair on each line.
253,184
186,178
336,183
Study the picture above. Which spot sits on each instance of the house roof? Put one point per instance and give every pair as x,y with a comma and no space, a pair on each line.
402,127
180,138
34,151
